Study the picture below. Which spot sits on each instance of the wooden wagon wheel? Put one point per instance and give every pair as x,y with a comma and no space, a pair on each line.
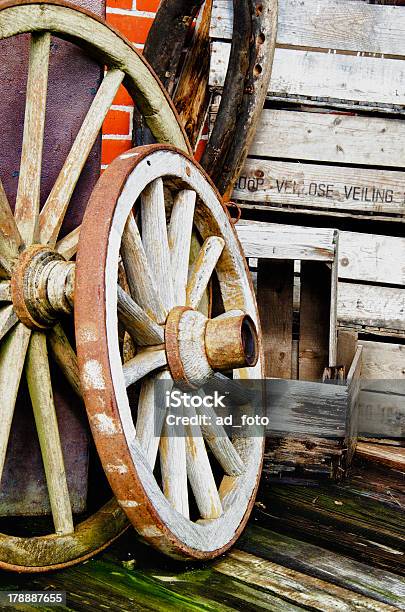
37,280
175,342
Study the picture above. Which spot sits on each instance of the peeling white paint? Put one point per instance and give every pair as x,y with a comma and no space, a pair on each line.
120,468
128,503
104,424
151,532
93,375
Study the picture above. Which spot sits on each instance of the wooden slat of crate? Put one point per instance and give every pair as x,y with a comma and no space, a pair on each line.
362,257
371,306
324,75
315,325
275,282
322,187
330,24
330,137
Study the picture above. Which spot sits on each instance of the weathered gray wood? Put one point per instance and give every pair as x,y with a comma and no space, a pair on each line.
294,586
179,238
371,306
329,137
5,291
366,257
392,456
155,241
275,281
326,187
201,271
40,387
337,24
54,210
140,279
8,319
315,308
173,467
142,364
10,236
377,584
143,329
12,358
324,75
64,356
29,181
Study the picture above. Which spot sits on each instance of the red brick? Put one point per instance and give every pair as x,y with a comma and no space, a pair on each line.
117,122
147,5
123,98
134,28
112,148
200,150
122,4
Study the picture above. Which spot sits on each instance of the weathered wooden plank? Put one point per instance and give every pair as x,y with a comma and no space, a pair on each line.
324,75
363,517
277,241
323,187
383,360
334,24
365,257
275,280
371,306
327,565
294,586
315,306
393,456
330,137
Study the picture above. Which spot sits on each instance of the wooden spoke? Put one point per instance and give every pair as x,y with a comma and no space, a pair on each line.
29,182
8,319
173,467
202,269
144,330
67,246
150,416
218,441
199,472
5,291
155,241
64,356
139,276
53,213
40,388
12,357
10,238
179,235
142,364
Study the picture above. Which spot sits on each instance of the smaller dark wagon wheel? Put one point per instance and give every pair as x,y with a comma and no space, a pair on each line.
37,278
149,202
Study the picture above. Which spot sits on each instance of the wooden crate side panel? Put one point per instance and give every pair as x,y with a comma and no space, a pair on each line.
331,24
324,75
275,280
381,415
277,241
364,257
315,308
371,306
330,137
335,188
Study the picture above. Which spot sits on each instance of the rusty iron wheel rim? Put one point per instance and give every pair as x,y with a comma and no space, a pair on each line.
54,551
97,343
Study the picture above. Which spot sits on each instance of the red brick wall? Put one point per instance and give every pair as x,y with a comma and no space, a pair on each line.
133,18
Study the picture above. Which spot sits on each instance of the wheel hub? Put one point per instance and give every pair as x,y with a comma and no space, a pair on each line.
196,346
42,287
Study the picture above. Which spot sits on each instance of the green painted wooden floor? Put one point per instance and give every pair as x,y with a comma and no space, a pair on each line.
328,547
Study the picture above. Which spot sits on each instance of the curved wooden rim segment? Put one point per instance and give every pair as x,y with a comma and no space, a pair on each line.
129,474
59,17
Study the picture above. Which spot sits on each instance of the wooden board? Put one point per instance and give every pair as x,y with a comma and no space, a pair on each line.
363,257
315,309
324,75
371,306
330,137
338,188
275,281
333,24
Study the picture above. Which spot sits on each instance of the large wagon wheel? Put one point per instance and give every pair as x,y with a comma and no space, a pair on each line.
36,287
175,342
